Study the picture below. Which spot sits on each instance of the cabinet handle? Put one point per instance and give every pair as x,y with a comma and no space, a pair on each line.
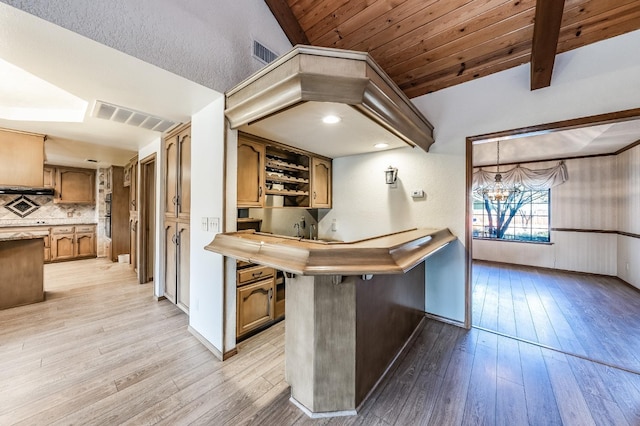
174,239
256,274
133,203
174,200
260,192
314,195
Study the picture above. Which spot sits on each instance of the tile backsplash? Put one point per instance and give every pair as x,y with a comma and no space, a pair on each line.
46,213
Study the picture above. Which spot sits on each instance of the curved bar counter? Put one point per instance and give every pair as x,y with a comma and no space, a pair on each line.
351,308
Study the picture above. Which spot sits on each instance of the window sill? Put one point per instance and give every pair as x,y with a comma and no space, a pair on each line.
544,243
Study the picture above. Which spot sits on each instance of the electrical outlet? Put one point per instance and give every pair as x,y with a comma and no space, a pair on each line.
214,224
334,225
205,224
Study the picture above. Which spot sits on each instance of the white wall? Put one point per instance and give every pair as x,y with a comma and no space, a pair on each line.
629,216
365,206
207,200
596,79
208,42
587,201
150,149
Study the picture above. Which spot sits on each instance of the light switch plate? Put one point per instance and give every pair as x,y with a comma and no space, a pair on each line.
205,224
417,193
214,224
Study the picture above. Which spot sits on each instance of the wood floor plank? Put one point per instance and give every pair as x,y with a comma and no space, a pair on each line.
75,359
569,398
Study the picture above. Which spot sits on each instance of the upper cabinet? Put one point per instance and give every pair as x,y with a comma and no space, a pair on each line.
49,177
178,174
276,175
320,183
73,185
21,158
250,173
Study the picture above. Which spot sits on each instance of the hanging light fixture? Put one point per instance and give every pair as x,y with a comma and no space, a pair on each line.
498,191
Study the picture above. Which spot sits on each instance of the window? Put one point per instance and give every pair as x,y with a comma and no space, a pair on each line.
524,216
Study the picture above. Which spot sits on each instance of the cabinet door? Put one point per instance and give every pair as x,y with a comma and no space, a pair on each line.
170,257
133,187
183,265
250,173
171,177
320,183
184,174
86,245
133,240
49,177
254,306
63,247
75,186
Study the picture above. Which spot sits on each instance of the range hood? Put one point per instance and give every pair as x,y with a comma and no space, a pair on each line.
25,190
285,100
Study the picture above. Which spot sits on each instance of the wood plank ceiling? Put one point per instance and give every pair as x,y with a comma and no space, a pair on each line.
428,45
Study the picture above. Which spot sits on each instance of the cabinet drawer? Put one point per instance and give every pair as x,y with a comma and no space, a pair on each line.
254,273
85,228
62,230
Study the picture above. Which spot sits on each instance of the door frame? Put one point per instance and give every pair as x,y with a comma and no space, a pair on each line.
592,120
146,211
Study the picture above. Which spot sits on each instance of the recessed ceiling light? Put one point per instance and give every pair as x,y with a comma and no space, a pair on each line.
331,119
381,145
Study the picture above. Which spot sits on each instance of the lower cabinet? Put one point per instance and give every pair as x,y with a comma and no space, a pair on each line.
255,306
72,242
255,298
176,256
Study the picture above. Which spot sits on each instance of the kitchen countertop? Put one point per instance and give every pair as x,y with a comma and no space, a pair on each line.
394,253
47,224
22,235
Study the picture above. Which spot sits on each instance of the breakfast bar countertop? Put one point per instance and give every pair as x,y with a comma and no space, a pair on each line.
394,253
16,234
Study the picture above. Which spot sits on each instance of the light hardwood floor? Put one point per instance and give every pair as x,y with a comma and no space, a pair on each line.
102,351
593,316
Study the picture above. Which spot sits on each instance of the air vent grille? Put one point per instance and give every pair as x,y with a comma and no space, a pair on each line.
262,53
119,114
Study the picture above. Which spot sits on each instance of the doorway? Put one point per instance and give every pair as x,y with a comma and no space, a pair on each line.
147,218
569,293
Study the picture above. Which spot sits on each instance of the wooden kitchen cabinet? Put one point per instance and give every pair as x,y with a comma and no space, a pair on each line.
21,158
73,185
177,210
320,183
49,177
72,242
271,174
251,182
255,306
178,174
63,247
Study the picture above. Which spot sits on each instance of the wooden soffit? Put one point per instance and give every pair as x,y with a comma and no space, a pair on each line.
387,254
315,74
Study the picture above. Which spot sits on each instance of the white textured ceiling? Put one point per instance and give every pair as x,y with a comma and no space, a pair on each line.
593,140
92,71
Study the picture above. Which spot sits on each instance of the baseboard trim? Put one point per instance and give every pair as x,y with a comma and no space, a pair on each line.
206,343
322,415
159,298
229,354
445,320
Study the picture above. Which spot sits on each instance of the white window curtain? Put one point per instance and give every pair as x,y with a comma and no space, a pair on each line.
522,177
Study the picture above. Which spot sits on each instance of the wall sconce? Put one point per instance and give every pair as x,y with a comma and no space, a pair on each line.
391,175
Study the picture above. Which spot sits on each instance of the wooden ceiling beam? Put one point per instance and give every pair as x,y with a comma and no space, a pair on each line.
545,41
288,22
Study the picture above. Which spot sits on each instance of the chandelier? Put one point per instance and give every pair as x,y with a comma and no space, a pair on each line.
498,191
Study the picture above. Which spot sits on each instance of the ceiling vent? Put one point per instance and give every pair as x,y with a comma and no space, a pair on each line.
107,111
263,54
